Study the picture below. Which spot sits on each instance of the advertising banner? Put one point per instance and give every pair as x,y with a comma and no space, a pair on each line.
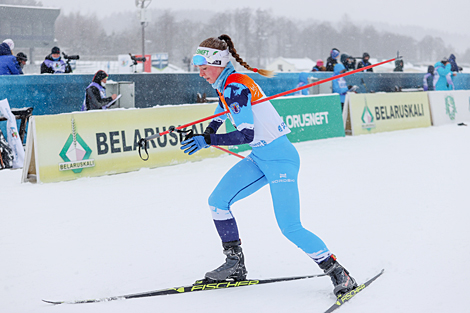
308,117
382,112
450,106
96,143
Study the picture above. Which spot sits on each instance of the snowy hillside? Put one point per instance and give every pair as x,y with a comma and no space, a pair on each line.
395,200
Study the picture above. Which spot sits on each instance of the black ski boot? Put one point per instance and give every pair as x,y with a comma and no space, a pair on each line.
234,266
342,282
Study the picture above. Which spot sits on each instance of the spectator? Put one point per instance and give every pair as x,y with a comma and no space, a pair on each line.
303,80
339,85
365,62
398,65
453,64
53,64
443,75
10,43
332,60
8,63
95,95
348,61
428,84
22,59
319,67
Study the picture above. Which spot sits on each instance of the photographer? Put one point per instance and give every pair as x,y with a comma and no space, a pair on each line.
53,64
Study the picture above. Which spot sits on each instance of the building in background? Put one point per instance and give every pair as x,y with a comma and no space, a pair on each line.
291,65
29,27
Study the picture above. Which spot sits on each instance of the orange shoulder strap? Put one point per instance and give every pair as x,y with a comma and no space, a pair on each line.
256,93
222,98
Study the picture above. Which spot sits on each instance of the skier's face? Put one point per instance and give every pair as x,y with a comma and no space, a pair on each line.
210,73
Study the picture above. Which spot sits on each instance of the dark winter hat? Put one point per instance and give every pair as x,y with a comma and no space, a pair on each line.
55,50
365,55
99,76
21,57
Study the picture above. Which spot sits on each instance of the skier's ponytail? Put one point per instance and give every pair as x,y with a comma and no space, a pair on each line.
223,42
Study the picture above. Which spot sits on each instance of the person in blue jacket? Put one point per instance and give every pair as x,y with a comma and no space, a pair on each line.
443,75
274,161
339,85
8,62
303,80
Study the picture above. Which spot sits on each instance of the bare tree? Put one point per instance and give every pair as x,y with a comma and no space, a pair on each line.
81,34
258,36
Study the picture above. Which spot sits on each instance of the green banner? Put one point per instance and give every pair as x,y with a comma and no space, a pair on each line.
308,117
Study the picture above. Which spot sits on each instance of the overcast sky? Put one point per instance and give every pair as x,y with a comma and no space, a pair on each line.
452,16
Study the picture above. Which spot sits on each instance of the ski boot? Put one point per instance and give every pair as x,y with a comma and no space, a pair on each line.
234,267
342,282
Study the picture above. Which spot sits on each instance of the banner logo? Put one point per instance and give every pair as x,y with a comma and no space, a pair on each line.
367,117
451,109
75,153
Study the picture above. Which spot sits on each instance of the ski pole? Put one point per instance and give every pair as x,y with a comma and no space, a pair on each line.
364,83
321,82
228,151
143,145
142,142
172,128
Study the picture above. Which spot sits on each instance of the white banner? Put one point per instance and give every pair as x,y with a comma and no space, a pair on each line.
12,134
125,64
450,106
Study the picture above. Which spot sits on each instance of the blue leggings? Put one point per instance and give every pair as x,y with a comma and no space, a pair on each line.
276,164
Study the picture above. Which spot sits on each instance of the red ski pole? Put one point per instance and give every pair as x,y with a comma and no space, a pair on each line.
321,82
142,142
228,151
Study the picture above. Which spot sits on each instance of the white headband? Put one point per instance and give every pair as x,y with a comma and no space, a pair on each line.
214,57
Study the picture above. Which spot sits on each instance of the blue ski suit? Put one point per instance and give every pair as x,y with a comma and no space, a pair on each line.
339,85
274,161
443,76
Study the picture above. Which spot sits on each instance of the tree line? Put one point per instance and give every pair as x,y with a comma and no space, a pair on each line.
259,36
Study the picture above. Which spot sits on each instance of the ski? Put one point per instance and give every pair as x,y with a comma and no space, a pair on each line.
348,296
197,286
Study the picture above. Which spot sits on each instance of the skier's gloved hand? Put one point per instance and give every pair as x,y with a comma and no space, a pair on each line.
195,143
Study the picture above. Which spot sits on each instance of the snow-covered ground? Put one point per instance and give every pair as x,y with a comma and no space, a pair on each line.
397,200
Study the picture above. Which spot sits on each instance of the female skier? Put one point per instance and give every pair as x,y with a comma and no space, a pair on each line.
273,160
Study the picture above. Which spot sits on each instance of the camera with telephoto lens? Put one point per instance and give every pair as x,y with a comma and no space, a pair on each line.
136,59
71,57
68,67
